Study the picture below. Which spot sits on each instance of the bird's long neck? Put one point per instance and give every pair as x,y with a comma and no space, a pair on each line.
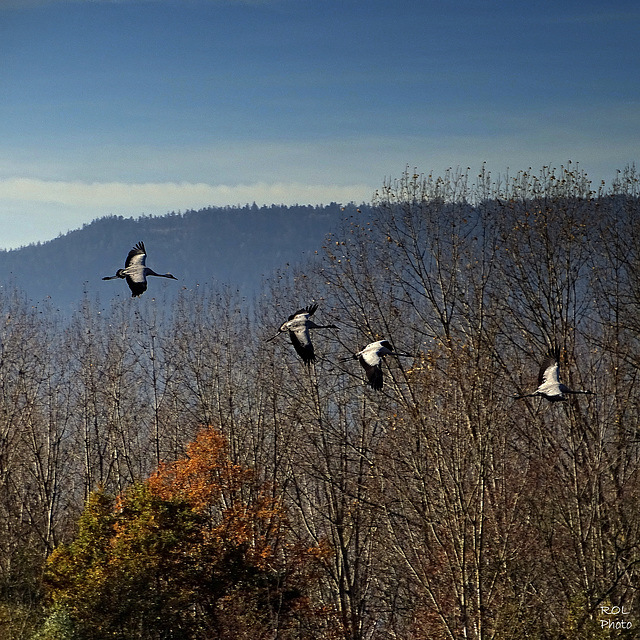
151,272
313,325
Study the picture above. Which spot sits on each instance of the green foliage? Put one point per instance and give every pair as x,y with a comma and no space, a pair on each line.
58,626
162,561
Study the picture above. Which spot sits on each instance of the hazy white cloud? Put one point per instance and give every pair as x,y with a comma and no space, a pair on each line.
51,189
172,195
600,142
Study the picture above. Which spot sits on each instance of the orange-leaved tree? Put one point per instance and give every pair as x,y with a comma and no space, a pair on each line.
199,550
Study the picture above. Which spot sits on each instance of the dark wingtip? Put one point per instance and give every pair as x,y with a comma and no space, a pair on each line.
554,352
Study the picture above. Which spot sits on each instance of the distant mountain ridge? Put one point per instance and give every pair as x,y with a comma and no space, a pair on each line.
238,246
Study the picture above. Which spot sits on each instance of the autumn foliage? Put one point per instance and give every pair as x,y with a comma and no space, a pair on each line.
197,551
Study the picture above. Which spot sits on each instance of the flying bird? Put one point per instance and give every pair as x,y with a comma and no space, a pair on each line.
298,326
370,359
549,385
135,272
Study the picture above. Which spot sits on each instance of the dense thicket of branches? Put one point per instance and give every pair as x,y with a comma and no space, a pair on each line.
449,510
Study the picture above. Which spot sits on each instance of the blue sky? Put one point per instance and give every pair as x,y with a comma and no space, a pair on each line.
134,107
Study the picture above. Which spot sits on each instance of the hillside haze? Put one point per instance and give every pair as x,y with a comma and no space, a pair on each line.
235,246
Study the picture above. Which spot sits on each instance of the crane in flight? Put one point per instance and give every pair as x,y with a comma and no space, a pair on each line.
549,385
135,271
298,326
370,359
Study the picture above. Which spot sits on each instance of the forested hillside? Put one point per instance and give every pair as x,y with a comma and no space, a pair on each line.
237,246
167,472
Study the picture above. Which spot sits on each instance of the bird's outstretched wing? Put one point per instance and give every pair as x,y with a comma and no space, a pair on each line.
135,270
301,341
375,379
138,287
310,310
549,368
137,256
